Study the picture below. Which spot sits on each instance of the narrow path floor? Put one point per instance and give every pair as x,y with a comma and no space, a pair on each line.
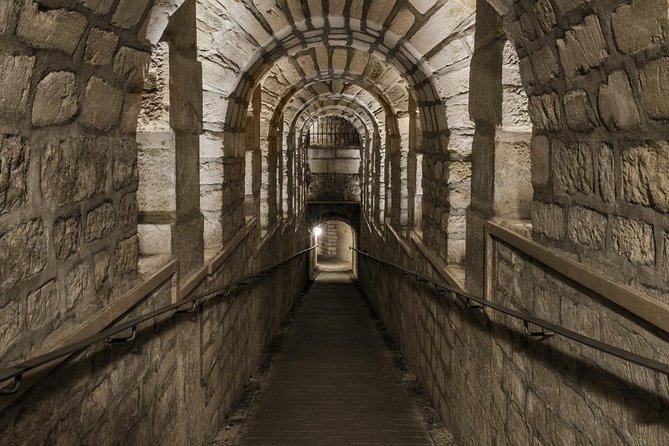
333,382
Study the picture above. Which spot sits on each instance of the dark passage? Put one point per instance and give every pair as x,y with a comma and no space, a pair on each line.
333,382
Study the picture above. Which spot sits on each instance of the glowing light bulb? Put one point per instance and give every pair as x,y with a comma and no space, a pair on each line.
318,231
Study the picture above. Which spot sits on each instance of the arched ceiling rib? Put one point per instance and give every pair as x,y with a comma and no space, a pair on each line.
407,36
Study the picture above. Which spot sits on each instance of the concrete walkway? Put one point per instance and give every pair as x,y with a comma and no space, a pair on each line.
333,382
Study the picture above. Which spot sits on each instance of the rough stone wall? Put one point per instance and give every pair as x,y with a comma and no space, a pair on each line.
327,243
336,239
593,74
595,77
176,381
585,66
439,337
557,391
68,166
447,170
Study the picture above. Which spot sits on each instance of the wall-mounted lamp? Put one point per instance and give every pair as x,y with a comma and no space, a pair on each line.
318,231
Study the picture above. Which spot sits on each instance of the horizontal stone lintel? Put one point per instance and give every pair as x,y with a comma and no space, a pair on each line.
156,217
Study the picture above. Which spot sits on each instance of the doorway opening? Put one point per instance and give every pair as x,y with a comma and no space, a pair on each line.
335,240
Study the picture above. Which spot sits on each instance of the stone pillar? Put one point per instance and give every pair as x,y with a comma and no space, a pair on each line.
403,199
290,175
256,101
485,110
156,195
186,122
414,169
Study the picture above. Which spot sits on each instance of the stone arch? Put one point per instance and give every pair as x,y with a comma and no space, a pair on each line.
416,78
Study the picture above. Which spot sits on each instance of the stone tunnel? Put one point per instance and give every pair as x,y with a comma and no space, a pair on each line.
334,222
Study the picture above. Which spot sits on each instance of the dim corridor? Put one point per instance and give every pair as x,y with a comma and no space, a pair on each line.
334,382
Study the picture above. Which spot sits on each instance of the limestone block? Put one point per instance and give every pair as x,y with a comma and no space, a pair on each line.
444,22
348,153
545,14
66,236
422,5
101,263
130,114
132,65
453,83
606,177
344,166
580,115
513,189
402,22
540,158
617,106
14,159
306,62
158,166
457,172
514,109
211,198
379,11
321,153
126,255
454,52
56,29
645,179
77,287
526,74
101,7
127,213
102,105
155,98
545,64
583,47
11,323
247,20
516,30
546,111
510,68
572,169
155,239
634,240
23,252
100,222
318,166
124,163
43,305
129,13
569,5
654,78
6,8
272,13
586,227
640,25
15,76
72,170
548,219
457,113
55,99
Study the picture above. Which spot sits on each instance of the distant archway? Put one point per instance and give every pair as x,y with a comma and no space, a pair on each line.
335,239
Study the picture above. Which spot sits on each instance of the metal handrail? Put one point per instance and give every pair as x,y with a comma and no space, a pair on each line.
547,328
187,305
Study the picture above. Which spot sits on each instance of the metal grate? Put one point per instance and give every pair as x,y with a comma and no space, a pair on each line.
333,131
